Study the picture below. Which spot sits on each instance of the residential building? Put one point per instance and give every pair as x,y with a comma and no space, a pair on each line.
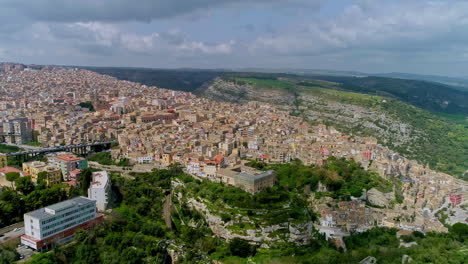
16,130
74,175
100,189
167,158
256,181
58,223
33,168
68,163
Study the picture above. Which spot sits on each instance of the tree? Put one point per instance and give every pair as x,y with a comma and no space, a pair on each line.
460,230
48,258
24,185
88,105
12,176
8,255
42,177
175,168
85,180
241,248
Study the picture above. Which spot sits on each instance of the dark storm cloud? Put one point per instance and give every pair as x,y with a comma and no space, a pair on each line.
124,10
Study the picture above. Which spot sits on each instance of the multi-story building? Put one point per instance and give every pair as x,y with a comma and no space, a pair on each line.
68,163
100,189
16,130
255,182
58,223
33,168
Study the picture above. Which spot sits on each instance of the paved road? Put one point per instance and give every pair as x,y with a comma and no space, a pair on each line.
167,210
9,228
25,253
15,233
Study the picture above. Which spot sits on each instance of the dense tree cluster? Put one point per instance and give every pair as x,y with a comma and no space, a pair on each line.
105,158
27,197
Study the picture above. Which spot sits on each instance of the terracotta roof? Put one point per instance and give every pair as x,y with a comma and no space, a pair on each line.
9,169
68,157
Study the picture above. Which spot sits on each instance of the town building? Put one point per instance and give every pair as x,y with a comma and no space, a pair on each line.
57,223
68,163
256,181
16,130
33,168
100,189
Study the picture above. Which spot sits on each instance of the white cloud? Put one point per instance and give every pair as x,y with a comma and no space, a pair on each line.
104,34
196,46
376,35
369,25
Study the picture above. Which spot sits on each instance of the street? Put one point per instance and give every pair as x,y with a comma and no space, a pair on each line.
13,234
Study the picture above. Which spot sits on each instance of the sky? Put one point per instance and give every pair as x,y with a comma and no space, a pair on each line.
375,36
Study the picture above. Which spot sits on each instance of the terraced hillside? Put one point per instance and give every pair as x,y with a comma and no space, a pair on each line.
412,131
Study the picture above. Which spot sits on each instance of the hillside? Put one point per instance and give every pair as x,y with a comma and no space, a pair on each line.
414,132
431,96
455,82
434,97
180,79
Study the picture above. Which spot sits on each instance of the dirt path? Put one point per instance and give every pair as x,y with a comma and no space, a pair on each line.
167,210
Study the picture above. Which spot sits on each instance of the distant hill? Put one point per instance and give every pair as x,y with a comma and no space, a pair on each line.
431,96
180,79
457,83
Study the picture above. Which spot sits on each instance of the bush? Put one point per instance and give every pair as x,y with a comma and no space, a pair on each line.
241,248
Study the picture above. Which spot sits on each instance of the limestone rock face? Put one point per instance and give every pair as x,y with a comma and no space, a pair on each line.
298,233
378,198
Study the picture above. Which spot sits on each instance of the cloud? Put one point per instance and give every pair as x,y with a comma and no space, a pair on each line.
126,10
400,27
107,39
427,36
196,46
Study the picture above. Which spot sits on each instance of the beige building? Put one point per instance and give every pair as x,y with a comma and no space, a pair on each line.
167,158
33,168
255,182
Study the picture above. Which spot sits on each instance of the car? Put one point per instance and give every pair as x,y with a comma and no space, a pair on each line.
17,229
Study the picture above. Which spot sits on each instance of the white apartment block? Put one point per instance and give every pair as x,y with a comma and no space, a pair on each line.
58,223
99,189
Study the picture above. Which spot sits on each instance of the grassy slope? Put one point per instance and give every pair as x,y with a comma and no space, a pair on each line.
7,149
434,97
444,146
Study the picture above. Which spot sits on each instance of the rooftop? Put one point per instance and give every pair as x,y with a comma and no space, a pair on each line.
100,179
9,169
255,176
68,157
51,210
